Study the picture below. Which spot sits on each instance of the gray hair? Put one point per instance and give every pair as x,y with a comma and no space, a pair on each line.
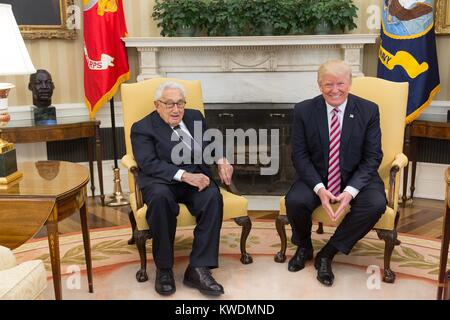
169,85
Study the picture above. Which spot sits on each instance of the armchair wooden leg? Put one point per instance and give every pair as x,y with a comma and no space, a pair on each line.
246,225
133,227
320,228
280,222
397,217
390,238
141,238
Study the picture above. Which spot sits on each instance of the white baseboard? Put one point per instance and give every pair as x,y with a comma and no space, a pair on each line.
429,181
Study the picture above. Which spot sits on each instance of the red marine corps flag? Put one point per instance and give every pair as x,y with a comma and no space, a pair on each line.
106,62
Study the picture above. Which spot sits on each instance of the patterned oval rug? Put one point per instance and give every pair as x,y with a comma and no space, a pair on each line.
358,275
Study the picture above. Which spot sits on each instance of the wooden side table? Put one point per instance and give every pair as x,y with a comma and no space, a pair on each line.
48,192
443,292
428,126
24,131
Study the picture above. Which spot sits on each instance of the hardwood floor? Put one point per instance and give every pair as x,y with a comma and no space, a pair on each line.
423,217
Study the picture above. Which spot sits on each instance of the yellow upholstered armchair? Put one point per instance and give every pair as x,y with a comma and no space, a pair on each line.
24,281
137,102
391,98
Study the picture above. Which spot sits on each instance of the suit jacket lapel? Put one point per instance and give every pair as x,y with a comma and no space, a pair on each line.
322,124
347,128
164,130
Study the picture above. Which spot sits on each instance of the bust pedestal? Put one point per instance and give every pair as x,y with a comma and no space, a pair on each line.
44,116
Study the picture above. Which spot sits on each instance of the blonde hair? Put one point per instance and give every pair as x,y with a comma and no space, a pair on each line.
334,68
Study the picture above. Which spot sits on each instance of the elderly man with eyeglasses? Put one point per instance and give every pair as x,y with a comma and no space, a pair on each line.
165,182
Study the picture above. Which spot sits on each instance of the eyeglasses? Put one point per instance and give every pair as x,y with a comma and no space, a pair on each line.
171,105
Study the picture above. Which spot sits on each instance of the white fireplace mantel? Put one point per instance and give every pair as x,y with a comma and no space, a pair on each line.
249,69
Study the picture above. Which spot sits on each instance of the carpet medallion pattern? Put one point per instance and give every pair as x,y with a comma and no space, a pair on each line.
415,256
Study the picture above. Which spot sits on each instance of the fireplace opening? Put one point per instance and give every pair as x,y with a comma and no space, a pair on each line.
251,118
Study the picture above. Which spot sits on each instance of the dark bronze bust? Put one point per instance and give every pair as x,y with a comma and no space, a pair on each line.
42,86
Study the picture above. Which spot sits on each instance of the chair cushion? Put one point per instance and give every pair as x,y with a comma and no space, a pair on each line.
7,259
234,206
386,221
23,282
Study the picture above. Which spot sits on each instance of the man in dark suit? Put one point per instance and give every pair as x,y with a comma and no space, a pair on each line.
336,151
165,182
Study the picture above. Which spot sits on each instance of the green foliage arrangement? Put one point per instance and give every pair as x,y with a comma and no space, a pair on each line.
254,17
179,16
335,15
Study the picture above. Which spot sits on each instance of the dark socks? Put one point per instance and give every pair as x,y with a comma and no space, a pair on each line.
328,251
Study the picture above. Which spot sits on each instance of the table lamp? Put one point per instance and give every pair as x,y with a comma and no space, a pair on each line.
14,60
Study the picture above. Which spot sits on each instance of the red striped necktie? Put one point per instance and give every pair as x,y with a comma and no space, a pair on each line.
334,171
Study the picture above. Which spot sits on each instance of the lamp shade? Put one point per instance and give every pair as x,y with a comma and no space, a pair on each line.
14,58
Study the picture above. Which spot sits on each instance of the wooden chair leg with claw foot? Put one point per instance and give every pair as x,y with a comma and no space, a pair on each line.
246,225
133,228
141,239
389,237
280,224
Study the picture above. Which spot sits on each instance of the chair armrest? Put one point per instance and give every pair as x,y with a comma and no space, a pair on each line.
128,161
231,188
401,161
7,259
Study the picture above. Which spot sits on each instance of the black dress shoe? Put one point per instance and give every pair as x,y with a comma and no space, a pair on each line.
201,279
324,273
298,260
164,282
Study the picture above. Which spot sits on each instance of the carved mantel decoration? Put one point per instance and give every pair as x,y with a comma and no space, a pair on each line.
239,69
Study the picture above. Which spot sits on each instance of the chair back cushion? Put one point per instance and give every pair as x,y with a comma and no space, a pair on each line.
392,98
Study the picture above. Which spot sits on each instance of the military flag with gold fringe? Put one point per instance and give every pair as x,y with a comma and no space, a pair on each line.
106,61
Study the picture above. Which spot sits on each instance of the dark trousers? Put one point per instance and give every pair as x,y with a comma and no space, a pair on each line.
366,209
163,208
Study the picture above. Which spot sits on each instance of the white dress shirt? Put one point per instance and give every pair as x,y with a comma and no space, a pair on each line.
353,191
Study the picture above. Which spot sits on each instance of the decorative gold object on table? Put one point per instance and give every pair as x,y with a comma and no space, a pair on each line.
8,162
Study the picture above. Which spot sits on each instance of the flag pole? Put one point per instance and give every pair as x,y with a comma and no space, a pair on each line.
117,197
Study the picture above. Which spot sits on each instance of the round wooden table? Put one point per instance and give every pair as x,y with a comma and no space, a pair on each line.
48,192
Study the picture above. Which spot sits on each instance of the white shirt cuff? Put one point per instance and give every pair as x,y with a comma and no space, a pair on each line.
318,187
353,191
178,175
